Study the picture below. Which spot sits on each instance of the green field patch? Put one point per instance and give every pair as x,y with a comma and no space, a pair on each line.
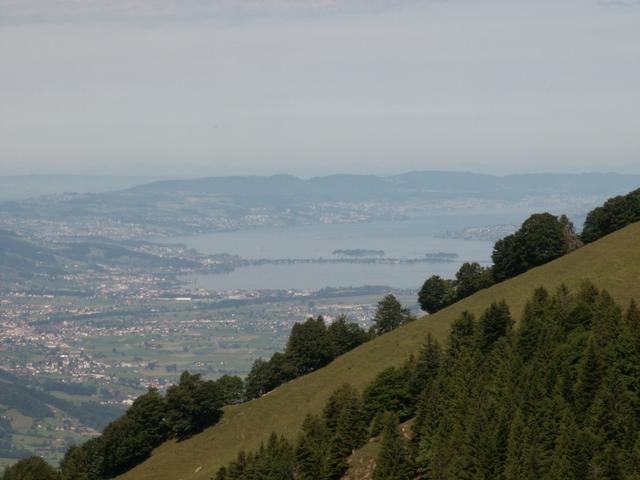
18,420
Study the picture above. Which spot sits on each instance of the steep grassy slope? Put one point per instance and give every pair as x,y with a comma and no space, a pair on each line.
612,263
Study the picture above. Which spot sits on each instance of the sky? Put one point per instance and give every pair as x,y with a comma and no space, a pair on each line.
313,87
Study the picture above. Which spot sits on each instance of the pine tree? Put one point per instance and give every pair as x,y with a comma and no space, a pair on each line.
439,456
257,382
543,431
569,356
350,435
588,381
278,459
632,317
335,464
532,324
495,323
427,366
394,461
518,464
74,464
633,461
588,292
587,445
461,336
580,316
563,466
352,425
346,421
429,412
624,353
612,416
462,386
344,398
391,390
503,377
462,463
390,314
485,441
607,320
311,449
606,464
345,336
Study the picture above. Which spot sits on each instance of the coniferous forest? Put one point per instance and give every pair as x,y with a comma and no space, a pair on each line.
555,398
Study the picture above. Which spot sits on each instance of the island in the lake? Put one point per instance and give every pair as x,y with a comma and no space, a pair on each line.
359,252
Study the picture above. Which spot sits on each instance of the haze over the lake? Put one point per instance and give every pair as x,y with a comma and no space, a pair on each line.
319,86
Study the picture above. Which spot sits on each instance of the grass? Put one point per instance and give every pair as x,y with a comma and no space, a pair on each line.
362,462
612,263
18,420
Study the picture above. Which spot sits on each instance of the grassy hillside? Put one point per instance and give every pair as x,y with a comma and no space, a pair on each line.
612,263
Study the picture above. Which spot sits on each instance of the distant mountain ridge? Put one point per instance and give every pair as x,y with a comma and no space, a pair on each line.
405,184
344,186
17,187
203,205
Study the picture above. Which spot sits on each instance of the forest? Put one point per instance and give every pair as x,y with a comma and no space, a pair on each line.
555,398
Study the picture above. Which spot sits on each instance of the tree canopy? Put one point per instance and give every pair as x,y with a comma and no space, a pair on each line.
390,314
541,238
436,293
311,346
32,468
187,408
616,213
394,461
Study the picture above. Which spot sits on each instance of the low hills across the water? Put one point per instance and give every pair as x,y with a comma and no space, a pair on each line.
204,205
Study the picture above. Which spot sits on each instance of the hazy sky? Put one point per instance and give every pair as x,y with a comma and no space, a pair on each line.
197,87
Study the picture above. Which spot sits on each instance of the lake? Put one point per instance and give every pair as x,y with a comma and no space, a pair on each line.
404,239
